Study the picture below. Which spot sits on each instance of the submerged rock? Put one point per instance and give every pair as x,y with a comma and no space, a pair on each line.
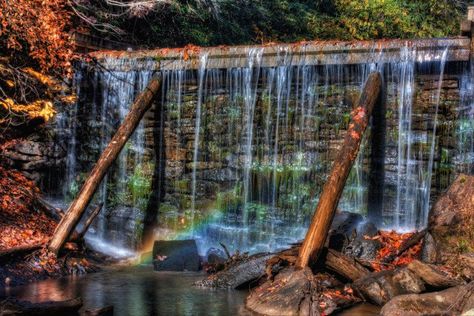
453,301
176,255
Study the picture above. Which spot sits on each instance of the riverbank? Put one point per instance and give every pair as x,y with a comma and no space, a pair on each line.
25,230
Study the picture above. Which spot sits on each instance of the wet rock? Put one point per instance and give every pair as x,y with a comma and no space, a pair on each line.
365,249
432,275
453,301
451,219
176,255
367,228
429,252
343,225
215,256
381,287
283,296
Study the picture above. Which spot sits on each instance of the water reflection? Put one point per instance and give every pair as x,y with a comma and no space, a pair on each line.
136,291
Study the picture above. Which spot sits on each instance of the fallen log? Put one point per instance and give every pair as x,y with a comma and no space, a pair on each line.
432,275
49,308
346,266
332,190
239,274
69,221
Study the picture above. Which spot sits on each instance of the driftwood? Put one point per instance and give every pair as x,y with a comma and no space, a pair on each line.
346,266
326,209
69,221
432,275
50,308
239,274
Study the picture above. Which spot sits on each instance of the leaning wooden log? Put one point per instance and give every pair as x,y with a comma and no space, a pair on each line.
73,215
50,308
345,266
89,220
332,190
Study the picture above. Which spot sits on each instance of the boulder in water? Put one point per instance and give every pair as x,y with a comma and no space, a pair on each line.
176,255
215,256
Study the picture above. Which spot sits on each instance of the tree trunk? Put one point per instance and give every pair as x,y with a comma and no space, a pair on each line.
69,221
332,190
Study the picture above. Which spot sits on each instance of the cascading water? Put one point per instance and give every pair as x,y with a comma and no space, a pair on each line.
247,147
465,123
93,122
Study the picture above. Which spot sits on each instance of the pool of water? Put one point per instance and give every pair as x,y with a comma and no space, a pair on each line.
136,291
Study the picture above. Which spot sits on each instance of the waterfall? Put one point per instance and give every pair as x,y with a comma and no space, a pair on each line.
465,123
202,72
92,122
247,148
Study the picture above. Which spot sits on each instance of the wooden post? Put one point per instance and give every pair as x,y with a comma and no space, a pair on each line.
73,215
332,190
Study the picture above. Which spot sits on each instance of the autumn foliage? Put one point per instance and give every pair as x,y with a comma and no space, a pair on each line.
40,29
20,224
392,242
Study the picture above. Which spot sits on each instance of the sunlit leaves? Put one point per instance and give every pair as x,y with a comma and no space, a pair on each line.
39,28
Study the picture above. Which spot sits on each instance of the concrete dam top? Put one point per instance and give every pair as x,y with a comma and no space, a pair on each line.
274,54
